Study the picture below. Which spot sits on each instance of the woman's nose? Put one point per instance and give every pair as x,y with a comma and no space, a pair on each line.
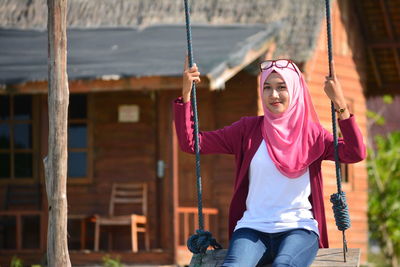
274,93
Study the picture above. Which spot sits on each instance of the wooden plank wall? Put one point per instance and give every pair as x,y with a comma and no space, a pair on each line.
348,56
122,152
237,100
187,171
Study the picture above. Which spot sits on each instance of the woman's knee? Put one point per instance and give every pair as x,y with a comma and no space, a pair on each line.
246,248
283,261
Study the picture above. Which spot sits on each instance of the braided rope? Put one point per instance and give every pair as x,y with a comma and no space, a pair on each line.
341,211
199,242
340,208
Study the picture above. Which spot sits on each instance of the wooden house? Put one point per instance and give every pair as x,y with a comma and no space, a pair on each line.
125,60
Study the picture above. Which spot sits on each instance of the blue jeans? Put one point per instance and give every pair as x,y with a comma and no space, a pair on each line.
248,247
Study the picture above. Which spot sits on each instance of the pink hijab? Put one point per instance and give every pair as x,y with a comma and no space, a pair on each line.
294,138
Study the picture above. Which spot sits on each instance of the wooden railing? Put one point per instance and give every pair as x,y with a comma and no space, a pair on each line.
188,222
19,225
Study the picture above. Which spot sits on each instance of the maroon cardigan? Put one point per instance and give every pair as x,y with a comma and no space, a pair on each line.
243,138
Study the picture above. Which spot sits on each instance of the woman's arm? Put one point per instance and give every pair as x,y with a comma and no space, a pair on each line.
351,146
226,140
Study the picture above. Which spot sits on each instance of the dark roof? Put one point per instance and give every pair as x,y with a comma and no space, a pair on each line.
125,52
380,24
300,19
133,37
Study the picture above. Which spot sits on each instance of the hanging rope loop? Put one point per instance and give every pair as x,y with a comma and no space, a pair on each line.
198,243
340,208
195,119
341,211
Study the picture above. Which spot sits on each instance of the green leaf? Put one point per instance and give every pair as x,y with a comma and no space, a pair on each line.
376,117
387,99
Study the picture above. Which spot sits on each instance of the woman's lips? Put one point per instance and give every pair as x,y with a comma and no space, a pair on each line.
275,103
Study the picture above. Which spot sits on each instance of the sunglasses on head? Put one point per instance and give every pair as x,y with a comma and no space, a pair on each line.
279,63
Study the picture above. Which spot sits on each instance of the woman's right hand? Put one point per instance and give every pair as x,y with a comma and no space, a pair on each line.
189,76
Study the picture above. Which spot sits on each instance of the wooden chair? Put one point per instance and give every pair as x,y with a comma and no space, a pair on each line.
126,193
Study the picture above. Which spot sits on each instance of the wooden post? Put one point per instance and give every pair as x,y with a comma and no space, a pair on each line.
56,161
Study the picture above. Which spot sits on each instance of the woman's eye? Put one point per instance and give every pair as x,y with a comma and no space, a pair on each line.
282,88
267,87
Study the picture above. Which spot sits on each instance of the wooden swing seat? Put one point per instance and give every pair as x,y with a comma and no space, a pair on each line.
331,257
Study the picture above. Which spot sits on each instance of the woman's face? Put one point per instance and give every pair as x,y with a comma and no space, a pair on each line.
275,94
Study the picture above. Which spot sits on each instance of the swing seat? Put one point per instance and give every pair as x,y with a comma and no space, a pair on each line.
332,257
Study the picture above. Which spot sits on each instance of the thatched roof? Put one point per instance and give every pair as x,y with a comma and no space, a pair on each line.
300,18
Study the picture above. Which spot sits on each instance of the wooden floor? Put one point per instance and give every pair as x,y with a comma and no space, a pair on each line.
153,258
334,257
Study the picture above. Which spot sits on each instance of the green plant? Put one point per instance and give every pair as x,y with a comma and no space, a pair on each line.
108,261
16,262
384,195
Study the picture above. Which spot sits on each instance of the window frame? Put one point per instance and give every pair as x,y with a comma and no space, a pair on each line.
89,149
34,151
347,170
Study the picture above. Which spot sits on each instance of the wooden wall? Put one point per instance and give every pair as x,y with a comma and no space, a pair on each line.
348,56
122,152
237,100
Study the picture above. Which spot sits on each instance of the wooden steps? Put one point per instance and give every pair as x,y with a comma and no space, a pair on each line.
332,257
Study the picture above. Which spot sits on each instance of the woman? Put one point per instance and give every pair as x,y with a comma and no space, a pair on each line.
277,210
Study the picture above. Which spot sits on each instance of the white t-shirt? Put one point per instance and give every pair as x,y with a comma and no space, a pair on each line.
276,203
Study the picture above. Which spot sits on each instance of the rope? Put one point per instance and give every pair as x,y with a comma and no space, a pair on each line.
340,208
199,242
341,211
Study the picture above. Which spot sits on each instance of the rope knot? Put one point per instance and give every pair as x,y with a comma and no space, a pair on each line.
199,242
341,211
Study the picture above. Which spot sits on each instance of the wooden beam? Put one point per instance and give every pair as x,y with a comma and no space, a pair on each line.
388,25
374,66
390,30
383,44
358,10
56,161
99,85
386,88
174,196
252,55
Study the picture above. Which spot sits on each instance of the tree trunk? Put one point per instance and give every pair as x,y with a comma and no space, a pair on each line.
56,160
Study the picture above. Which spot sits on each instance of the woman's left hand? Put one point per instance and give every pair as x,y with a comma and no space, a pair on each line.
333,90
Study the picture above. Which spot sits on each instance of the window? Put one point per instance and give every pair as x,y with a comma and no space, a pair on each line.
346,170
78,138
16,137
